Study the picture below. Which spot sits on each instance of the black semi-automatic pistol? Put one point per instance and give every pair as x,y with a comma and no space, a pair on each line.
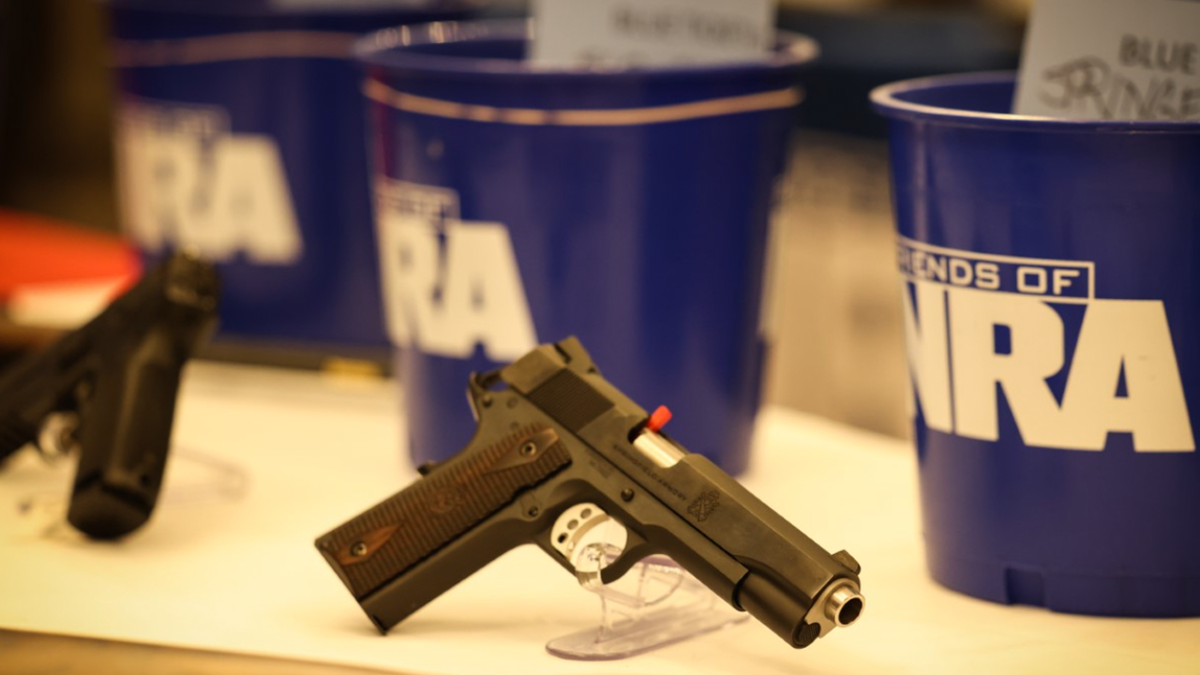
109,388
557,451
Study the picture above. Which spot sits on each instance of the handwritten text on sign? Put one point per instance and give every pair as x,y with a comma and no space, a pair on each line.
1112,60
615,33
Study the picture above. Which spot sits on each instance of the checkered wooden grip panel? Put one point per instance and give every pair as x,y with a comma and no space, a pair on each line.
389,538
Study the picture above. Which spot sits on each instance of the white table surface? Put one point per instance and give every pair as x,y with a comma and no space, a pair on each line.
230,566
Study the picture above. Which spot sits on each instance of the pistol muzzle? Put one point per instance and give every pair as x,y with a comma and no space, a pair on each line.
799,624
844,604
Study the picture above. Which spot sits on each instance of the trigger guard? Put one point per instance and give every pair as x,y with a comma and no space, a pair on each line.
636,549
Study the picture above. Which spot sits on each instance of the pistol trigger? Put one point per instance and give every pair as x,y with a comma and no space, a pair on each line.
636,549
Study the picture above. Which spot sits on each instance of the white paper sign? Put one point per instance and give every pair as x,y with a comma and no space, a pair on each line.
1112,60
615,33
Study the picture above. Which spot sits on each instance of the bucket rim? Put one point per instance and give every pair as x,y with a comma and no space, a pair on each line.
887,102
418,10
386,48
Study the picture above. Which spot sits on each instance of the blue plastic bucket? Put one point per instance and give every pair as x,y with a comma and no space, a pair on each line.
519,204
1052,308
240,133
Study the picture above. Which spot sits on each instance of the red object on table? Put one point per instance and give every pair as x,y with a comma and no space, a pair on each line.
36,250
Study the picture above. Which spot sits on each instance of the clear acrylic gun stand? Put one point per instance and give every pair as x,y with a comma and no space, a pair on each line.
655,604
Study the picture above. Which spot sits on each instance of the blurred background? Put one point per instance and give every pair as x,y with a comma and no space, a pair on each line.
838,346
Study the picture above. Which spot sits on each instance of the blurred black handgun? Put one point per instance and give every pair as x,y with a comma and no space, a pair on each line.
109,388
558,452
